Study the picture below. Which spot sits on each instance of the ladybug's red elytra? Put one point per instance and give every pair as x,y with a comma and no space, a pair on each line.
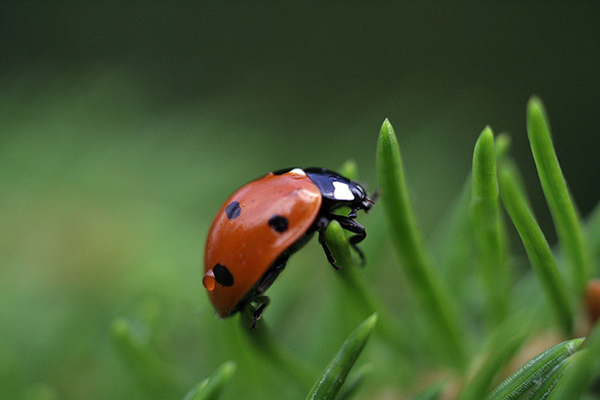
264,222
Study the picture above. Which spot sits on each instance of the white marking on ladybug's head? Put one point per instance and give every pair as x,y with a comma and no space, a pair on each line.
341,191
297,171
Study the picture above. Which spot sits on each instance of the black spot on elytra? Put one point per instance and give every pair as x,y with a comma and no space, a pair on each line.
278,223
222,275
233,210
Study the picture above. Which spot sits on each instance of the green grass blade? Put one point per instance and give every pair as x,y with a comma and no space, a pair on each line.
564,213
331,380
527,378
582,371
490,234
153,374
549,382
211,388
536,246
430,289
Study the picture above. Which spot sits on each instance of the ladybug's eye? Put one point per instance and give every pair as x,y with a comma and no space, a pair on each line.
358,192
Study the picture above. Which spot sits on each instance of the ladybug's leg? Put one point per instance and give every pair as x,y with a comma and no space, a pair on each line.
272,273
263,302
265,282
354,227
322,224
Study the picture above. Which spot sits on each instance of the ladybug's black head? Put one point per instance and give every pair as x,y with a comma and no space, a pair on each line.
361,199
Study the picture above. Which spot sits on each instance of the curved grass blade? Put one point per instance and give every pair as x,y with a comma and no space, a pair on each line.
583,370
529,377
429,287
211,388
549,382
154,375
331,380
490,233
564,213
536,246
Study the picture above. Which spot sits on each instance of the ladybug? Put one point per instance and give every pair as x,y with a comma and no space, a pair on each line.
267,220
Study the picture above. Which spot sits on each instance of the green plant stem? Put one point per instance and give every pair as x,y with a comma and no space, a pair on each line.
564,213
427,284
536,246
490,233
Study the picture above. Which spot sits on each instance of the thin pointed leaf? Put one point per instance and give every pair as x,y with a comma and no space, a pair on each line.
549,382
331,380
536,246
582,371
528,378
211,388
491,236
564,213
427,283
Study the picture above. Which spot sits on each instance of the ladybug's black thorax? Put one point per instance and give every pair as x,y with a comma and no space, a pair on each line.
336,190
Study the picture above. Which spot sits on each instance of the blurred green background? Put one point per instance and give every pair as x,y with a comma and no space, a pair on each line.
123,127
